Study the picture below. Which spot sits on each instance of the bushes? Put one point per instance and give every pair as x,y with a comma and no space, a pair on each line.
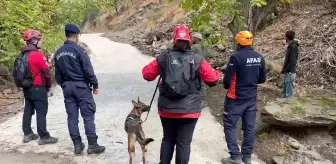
47,16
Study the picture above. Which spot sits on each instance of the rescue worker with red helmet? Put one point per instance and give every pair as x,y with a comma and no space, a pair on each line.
35,96
179,103
245,70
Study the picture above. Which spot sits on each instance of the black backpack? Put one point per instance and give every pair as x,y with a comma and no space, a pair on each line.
180,73
21,73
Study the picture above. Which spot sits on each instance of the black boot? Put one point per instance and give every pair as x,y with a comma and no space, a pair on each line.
237,159
247,159
94,148
50,140
28,138
78,146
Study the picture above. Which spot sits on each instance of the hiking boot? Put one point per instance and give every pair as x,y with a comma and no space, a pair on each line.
94,148
247,159
78,146
232,160
28,138
50,140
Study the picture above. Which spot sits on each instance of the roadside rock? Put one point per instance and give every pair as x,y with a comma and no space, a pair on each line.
299,154
301,112
300,157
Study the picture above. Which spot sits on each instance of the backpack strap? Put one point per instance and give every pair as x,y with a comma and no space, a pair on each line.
161,59
27,57
196,60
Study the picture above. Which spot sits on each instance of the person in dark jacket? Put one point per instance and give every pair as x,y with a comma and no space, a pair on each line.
199,48
74,73
245,70
179,116
36,97
289,67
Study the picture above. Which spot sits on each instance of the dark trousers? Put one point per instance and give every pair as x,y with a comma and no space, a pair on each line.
79,95
233,111
36,98
177,132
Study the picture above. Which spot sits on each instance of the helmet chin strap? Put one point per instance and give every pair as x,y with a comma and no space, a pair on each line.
37,44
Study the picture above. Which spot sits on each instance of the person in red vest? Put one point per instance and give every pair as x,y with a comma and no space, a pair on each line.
36,98
182,72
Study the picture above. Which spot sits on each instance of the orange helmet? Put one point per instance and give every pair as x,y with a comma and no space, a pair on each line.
29,34
244,38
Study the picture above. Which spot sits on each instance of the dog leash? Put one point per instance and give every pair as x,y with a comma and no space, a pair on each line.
150,105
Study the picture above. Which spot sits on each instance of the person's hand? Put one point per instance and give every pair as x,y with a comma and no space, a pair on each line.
95,91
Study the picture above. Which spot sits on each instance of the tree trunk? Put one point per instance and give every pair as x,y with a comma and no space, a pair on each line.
116,6
246,11
261,13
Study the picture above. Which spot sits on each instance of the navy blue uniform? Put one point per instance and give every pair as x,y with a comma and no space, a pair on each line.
75,74
245,70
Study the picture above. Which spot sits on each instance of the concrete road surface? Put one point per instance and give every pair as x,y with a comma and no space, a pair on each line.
118,68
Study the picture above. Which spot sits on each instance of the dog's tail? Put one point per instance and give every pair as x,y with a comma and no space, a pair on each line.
142,140
146,141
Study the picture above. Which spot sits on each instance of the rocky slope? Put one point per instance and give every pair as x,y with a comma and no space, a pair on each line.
314,22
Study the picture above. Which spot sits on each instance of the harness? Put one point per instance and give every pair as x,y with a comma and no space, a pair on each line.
133,117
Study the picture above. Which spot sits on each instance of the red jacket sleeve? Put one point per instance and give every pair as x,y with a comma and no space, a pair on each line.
209,75
151,71
44,68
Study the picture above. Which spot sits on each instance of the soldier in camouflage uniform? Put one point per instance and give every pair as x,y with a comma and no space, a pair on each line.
199,48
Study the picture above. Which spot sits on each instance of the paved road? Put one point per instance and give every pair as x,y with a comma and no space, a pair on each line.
118,67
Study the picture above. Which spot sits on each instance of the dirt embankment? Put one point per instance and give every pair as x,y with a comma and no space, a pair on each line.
11,102
314,22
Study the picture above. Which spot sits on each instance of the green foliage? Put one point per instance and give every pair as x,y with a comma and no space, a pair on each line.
297,109
207,17
258,3
286,1
47,16
207,14
261,3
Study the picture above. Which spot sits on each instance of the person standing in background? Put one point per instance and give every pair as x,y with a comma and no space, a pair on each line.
289,67
199,48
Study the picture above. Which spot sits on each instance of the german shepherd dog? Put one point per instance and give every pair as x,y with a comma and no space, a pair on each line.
134,130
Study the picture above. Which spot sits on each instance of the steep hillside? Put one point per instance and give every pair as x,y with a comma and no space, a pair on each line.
315,25
140,16
147,25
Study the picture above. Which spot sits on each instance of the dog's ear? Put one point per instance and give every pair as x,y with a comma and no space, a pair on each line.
138,99
135,104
